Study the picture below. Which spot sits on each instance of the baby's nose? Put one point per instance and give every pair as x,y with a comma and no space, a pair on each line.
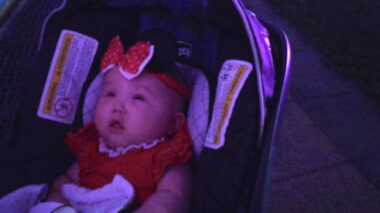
118,107
117,110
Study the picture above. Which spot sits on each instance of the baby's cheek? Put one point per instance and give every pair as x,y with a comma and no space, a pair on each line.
164,124
98,114
147,125
98,125
100,120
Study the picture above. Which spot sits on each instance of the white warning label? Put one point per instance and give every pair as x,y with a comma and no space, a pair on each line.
230,81
68,71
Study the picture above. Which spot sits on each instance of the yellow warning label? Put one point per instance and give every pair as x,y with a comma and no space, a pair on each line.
231,80
71,63
228,101
58,70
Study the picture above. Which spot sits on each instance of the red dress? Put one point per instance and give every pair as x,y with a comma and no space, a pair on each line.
143,168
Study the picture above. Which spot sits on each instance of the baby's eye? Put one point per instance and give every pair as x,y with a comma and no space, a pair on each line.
109,94
139,97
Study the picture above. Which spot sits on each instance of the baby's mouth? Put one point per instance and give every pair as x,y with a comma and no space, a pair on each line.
115,124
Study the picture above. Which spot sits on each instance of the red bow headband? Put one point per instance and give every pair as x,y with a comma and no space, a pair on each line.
133,62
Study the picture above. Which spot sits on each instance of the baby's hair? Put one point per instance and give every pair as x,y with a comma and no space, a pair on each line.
165,56
165,53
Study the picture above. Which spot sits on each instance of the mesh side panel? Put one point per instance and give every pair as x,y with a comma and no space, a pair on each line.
18,42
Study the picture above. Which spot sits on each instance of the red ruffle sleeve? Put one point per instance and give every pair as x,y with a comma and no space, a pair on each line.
84,141
175,151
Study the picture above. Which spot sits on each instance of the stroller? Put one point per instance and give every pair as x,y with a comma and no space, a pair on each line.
233,168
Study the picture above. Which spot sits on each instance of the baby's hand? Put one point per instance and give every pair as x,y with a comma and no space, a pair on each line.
71,176
57,197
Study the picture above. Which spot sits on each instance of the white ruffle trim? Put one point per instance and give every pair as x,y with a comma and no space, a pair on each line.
121,150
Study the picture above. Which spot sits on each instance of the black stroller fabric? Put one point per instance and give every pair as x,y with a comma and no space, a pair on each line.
215,31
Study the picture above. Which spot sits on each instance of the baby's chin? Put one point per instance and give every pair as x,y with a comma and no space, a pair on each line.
115,143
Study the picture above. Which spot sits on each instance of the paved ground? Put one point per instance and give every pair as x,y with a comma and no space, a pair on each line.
328,155
345,31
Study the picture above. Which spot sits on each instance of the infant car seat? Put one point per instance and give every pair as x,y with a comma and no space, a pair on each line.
216,36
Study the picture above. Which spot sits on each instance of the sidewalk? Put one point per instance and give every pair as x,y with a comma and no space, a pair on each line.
328,155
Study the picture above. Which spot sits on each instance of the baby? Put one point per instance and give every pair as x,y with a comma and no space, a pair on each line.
139,130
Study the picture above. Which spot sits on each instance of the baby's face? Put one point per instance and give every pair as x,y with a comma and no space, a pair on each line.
135,111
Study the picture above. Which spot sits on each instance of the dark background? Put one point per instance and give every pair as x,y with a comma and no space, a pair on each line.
346,31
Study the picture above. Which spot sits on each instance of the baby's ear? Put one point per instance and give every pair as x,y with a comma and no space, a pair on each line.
180,119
